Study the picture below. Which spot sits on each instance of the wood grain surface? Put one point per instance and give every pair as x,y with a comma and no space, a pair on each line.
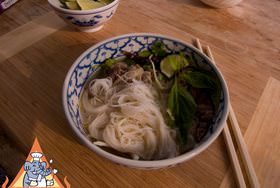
262,135
262,138
245,42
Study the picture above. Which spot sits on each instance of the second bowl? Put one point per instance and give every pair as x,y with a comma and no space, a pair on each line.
85,20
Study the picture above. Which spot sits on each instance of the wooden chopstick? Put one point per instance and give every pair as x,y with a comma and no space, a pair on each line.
252,177
229,141
245,157
247,163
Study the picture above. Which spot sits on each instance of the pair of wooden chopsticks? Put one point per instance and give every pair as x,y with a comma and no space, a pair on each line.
236,136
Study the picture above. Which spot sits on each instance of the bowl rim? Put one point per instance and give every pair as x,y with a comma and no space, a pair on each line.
83,12
155,163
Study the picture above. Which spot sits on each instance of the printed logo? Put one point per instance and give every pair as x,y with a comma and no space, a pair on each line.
37,172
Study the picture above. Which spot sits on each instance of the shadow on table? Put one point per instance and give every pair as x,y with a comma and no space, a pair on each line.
11,156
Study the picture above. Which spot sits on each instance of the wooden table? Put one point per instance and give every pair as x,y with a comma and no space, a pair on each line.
37,49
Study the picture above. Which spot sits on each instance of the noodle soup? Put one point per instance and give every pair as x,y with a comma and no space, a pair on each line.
150,105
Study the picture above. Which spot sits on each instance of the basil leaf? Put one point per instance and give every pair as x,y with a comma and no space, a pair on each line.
203,81
182,106
173,99
198,79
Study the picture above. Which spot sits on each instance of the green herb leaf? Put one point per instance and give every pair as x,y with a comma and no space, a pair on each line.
198,79
129,61
145,53
173,63
203,81
158,49
182,106
108,63
106,66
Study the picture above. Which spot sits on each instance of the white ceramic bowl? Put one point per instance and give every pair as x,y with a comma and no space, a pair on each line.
85,20
87,63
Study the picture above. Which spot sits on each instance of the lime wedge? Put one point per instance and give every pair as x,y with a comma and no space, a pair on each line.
89,4
172,63
73,5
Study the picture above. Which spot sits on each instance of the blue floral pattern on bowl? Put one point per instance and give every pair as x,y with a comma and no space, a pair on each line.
84,23
87,63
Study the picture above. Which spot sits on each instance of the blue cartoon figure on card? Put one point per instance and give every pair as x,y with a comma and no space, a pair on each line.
36,172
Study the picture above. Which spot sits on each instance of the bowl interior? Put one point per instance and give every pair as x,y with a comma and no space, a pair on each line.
88,62
58,5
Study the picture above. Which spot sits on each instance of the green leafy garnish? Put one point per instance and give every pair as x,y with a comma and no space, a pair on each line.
203,81
107,65
182,107
129,61
145,53
158,49
198,79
